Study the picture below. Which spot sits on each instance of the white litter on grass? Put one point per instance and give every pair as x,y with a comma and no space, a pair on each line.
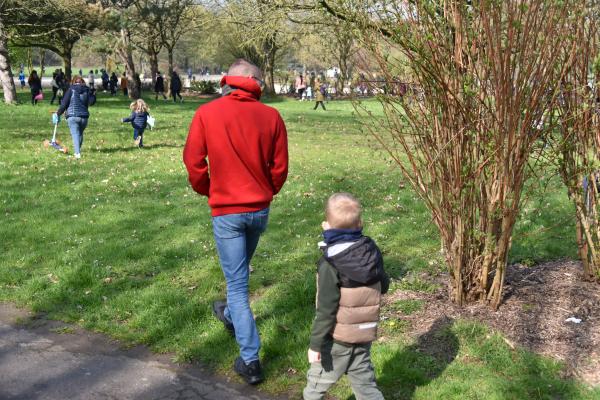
574,320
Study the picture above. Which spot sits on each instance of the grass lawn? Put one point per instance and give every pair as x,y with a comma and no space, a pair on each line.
119,243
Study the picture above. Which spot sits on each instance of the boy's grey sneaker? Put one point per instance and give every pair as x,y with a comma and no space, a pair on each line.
252,373
218,309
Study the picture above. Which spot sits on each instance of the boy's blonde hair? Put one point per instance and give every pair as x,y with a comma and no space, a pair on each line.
343,211
139,106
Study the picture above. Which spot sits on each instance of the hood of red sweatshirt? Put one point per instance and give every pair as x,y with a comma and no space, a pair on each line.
244,83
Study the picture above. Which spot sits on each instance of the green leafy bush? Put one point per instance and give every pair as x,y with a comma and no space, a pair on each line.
204,87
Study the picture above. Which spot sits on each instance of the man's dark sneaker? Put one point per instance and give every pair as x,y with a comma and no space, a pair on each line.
252,373
218,309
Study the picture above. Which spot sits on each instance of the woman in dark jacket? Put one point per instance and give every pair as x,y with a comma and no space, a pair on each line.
75,103
114,81
176,87
35,85
159,86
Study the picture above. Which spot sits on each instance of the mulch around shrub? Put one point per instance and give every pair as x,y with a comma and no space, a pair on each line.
537,302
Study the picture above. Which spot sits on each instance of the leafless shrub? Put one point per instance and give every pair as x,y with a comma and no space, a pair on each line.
488,72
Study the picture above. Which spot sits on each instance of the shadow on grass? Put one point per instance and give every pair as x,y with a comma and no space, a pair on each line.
420,363
149,147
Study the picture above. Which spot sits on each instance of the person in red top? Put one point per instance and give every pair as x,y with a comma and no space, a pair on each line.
245,142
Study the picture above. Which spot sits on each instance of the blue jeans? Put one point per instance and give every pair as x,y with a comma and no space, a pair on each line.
139,132
236,236
77,126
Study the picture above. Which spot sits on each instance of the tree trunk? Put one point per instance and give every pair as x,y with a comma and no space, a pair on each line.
67,56
343,75
270,73
126,54
42,62
153,58
170,54
29,59
6,76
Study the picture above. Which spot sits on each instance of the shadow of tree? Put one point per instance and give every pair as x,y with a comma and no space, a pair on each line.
110,150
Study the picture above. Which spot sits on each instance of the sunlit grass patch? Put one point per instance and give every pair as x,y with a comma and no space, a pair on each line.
119,243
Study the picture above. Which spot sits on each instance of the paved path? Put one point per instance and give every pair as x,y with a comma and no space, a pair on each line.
50,360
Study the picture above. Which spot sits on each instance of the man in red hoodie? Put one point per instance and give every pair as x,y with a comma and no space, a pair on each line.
246,144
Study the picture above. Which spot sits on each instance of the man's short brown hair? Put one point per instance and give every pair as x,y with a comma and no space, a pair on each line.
343,211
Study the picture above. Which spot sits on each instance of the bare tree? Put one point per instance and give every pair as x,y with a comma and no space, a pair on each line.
337,39
257,30
147,37
56,26
578,112
6,75
178,17
122,20
485,73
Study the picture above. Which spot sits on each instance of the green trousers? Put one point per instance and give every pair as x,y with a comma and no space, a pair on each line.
337,360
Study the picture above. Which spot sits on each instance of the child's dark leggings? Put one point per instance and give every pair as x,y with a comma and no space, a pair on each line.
139,133
317,105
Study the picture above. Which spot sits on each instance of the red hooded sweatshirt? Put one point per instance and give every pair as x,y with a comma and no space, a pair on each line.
245,142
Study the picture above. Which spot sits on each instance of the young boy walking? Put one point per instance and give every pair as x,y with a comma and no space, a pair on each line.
350,282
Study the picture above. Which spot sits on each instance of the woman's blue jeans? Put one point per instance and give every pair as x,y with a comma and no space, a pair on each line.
236,236
77,125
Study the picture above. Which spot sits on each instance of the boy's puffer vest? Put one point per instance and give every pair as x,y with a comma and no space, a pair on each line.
358,314
360,272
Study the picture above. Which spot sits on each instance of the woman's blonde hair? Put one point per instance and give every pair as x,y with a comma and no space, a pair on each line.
77,79
139,106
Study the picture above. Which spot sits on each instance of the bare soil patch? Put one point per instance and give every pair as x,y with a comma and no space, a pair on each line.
537,301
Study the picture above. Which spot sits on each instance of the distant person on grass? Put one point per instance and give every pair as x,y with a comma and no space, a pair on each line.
139,119
35,85
22,79
56,86
113,83
176,87
75,104
105,80
246,144
91,78
320,91
159,86
124,84
300,86
350,282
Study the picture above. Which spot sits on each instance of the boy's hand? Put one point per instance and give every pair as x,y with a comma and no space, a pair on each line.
313,356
